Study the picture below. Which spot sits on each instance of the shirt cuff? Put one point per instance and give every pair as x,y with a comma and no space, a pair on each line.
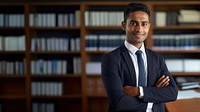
141,92
150,105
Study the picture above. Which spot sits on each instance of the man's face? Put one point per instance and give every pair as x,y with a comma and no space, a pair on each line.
137,27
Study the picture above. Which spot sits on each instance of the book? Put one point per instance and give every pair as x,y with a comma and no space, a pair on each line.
188,94
160,18
188,82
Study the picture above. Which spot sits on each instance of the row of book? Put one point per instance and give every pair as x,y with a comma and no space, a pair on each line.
103,42
55,44
183,65
95,18
103,18
60,67
181,17
174,65
188,82
43,107
69,20
40,88
12,43
54,19
12,68
11,20
176,41
56,67
189,16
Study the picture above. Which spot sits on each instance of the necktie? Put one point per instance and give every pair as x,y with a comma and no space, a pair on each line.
142,79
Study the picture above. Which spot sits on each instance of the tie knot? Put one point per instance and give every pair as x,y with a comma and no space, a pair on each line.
139,52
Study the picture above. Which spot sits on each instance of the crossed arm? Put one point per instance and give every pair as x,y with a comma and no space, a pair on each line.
124,98
134,91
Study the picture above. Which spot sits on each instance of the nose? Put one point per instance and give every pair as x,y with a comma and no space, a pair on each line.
139,28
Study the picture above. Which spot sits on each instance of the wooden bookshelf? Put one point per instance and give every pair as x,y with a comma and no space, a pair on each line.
81,92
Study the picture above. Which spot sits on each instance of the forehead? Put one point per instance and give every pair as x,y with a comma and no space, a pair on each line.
138,16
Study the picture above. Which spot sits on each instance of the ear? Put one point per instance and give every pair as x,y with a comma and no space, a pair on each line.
123,25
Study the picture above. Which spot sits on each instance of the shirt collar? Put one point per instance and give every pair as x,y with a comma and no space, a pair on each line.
132,48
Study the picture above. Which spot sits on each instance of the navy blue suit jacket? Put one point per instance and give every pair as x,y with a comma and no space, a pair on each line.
118,71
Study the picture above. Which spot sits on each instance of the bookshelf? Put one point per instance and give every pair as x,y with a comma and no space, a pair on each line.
61,41
183,31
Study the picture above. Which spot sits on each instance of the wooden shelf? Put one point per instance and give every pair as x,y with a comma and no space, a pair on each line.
13,76
175,3
57,97
55,28
54,52
97,96
12,28
12,52
103,28
54,4
178,27
177,51
108,3
187,74
97,52
57,76
76,87
12,97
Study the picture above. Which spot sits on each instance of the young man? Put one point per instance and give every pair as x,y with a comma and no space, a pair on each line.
122,69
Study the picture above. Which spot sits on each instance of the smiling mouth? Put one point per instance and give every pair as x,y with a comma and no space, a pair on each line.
139,34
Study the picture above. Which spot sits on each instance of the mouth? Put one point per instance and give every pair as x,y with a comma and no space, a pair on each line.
139,35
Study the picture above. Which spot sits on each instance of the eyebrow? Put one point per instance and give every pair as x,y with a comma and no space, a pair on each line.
137,21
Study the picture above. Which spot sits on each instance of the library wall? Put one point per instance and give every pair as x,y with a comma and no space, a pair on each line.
50,52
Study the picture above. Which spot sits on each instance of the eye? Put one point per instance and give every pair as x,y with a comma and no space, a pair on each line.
145,24
133,23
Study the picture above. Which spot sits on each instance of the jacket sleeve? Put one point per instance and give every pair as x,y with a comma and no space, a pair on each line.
161,95
114,87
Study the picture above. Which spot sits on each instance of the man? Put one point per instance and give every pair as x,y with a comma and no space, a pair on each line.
127,89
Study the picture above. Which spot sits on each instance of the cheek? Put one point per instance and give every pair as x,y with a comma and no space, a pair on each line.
146,30
131,28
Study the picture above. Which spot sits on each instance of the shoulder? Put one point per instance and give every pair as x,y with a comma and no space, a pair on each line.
153,55
149,51
115,54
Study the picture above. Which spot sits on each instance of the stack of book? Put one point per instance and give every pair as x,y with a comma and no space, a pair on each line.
188,82
189,17
165,18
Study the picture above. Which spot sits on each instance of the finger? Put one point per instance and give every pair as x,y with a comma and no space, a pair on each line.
160,80
165,85
165,82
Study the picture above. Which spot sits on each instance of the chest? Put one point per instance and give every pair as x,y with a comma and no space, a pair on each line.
127,72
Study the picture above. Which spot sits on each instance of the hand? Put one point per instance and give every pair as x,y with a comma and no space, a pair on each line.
163,81
131,90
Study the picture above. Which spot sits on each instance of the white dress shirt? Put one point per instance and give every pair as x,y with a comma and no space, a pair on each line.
132,50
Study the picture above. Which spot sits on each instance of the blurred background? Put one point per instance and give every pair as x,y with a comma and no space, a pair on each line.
50,51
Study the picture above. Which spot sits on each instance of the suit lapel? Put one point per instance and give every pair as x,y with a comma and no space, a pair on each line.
127,58
149,68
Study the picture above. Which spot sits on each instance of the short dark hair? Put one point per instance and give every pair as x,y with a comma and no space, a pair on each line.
135,7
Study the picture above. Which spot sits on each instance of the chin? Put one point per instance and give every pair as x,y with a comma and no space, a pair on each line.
139,40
